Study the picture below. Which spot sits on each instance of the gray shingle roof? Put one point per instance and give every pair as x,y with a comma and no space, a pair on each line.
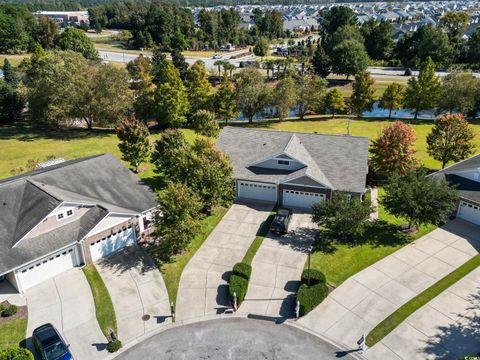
335,160
26,199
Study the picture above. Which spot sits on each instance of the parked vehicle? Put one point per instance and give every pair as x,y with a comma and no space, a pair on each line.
281,222
49,344
217,56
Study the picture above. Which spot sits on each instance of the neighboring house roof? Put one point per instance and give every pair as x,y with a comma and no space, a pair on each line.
101,181
468,189
336,161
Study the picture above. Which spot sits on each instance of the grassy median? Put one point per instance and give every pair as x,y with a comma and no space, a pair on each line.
103,303
261,233
397,317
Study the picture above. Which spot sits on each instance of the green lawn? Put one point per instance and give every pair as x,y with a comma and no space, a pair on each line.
397,317
261,233
369,128
380,240
12,333
173,269
103,303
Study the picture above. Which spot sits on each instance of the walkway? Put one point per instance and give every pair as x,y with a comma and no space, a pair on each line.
137,289
368,297
276,270
203,288
66,302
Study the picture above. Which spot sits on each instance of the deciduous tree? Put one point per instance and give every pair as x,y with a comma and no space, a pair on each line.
392,98
204,123
392,153
334,101
419,198
349,58
363,93
75,40
199,90
261,47
311,92
284,97
458,93
165,155
226,102
450,139
134,144
251,93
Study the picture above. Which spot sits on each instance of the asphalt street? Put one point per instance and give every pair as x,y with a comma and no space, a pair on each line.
234,338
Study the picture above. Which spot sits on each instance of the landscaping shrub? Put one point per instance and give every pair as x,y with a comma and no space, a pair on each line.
2,307
114,346
9,310
316,277
16,353
310,297
239,285
242,269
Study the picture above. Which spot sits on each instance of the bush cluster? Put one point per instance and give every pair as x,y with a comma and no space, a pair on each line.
16,353
310,296
316,277
243,270
8,310
114,346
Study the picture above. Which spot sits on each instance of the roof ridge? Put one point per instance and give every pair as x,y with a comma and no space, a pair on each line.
241,128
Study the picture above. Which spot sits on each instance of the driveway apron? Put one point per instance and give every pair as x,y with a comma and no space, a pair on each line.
203,288
276,270
138,292
368,297
66,302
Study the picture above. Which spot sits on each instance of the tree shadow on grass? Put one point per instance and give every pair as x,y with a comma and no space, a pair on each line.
30,133
377,233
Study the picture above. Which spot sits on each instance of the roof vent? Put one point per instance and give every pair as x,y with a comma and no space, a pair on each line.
50,162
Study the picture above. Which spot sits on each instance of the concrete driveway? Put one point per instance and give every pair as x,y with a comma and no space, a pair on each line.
369,296
276,270
137,289
66,301
203,288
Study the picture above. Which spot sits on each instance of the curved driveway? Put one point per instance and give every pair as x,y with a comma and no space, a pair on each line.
234,338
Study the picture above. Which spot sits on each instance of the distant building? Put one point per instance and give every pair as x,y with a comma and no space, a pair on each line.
65,17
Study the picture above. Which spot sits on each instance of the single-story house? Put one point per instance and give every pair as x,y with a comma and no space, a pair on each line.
69,214
465,177
294,169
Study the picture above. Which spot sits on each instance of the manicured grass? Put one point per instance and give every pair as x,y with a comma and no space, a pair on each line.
381,239
172,270
262,232
19,144
397,317
15,60
103,303
369,128
12,332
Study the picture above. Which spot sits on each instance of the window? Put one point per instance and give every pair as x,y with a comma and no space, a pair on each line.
60,216
69,212
283,162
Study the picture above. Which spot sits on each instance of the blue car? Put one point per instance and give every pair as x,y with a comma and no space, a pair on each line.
49,344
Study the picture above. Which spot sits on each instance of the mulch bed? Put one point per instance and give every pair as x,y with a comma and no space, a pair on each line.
21,313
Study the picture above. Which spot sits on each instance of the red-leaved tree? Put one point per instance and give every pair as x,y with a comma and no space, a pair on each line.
393,153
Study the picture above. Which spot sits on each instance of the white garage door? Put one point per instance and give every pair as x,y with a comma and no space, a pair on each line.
301,199
47,268
257,191
109,244
469,212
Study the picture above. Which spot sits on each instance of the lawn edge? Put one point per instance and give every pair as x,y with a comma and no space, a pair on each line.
261,234
402,313
103,301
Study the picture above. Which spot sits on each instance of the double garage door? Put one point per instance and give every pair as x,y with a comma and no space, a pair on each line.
112,243
257,191
47,268
301,199
469,212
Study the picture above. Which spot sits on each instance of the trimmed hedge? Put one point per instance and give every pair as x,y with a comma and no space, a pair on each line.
114,346
310,297
239,285
243,270
316,277
9,310
16,353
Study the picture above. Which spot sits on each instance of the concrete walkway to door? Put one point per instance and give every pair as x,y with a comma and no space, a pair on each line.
276,270
368,297
66,302
137,289
203,288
